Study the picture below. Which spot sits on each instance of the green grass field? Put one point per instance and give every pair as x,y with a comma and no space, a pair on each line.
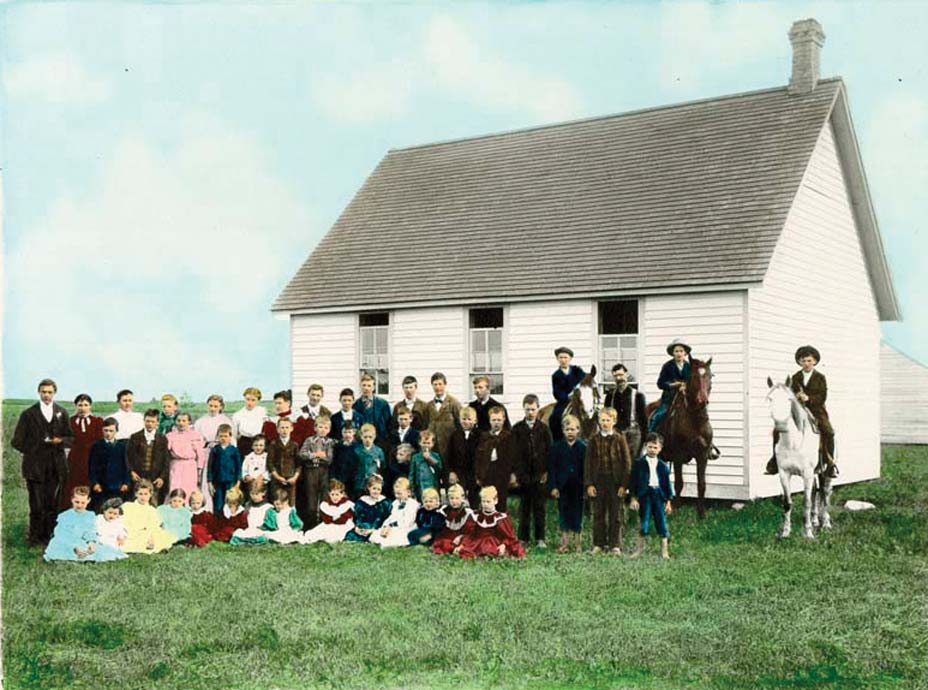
735,608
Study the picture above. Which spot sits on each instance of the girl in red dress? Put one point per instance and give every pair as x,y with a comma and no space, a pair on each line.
87,430
457,515
202,523
489,532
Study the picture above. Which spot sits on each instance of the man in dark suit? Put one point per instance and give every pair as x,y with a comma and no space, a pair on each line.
42,434
811,390
630,405
147,453
483,403
417,408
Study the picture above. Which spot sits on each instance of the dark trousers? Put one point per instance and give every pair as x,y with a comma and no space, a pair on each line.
473,495
532,510
502,498
651,505
315,486
219,497
608,514
570,508
43,509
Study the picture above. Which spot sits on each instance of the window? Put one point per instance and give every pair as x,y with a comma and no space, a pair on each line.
618,338
375,353
486,346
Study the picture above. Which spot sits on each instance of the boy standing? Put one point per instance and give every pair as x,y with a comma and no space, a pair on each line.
129,422
606,471
483,403
532,442
630,406
168,413
224,470
443,412
316,456
373,410
282,461
405,433
304,426
651,490
345,416
147,455
416,407
42,433
494,461
344,466
462,455
565,479
425,469
109,473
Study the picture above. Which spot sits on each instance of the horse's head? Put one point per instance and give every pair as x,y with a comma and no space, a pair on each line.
586,396
783,405
700,383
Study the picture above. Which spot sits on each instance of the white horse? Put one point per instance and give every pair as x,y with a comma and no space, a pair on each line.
797,454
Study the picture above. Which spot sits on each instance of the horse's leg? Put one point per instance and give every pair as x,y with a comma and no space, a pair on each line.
677,483
701,461
808,480
786,527
825,497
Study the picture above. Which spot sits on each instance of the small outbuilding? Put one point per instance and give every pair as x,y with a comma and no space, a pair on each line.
742,223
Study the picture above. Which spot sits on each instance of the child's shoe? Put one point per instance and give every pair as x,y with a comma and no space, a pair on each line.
665,551
540,544
596,550
563,546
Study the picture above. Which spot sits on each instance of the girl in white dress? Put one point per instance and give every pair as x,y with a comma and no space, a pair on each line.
337,515
402,519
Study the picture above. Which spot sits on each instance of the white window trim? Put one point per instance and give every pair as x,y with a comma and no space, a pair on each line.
360,353
605,377
504,347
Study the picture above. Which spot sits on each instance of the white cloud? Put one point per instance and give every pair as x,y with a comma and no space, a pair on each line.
477,74
367,96
172,237
58,79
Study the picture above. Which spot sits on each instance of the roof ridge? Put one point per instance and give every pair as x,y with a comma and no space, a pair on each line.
611,116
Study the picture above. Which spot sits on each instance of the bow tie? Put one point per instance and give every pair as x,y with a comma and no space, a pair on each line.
438,401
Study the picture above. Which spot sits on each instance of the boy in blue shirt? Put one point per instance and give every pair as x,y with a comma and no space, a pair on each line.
109,468
224,469
651,490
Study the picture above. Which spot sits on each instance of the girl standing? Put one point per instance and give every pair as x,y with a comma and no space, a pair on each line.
87,429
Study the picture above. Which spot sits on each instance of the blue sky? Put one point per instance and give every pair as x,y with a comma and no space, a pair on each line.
167,167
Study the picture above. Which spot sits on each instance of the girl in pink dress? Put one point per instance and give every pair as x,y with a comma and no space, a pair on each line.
187,451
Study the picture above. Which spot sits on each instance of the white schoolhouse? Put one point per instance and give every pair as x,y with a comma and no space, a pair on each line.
741,223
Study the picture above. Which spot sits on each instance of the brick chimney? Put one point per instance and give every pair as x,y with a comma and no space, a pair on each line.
807,38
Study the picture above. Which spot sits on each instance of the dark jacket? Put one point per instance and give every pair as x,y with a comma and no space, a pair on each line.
282,459
462,455
108,466
532,447
817,390
562,385
623,404
490,472
338,421
641,475
420,414
483,413
136,447
565,464
43,461
607,458
412,438
224,465
378,414
669,374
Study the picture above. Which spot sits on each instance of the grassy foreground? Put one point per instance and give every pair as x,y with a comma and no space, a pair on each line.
733,609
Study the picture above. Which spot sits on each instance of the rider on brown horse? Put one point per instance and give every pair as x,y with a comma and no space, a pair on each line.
563,381
674,375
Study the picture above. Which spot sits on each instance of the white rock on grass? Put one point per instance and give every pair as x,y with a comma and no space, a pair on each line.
858,505
737,506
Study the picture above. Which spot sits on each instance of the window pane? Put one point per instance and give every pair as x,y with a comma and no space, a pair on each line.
486,318
618,317
379,319
496,384
367,340
382,334
478,341
495,341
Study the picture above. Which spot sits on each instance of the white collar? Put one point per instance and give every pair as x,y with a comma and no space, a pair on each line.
606,434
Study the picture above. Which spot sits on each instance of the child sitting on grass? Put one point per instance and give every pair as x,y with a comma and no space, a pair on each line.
337,516
257,511
281,523
402,519
176,516
111,531
456,515
490,532
370,511
202,521
651,490
233,517
146,535
430,521
75,537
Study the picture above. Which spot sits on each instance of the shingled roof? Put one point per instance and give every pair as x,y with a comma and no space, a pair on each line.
685,195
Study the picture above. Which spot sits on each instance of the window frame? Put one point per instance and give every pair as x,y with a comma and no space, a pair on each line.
381,376
497,378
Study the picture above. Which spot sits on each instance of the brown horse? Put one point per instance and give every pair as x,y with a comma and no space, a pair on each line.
687,432
584,404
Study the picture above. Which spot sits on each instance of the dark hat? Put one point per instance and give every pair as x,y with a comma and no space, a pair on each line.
806,351
674,343
566,350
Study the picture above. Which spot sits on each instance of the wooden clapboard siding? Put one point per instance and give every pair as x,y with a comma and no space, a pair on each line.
817,291
423,341
713,324
324,349
533,331
903,398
